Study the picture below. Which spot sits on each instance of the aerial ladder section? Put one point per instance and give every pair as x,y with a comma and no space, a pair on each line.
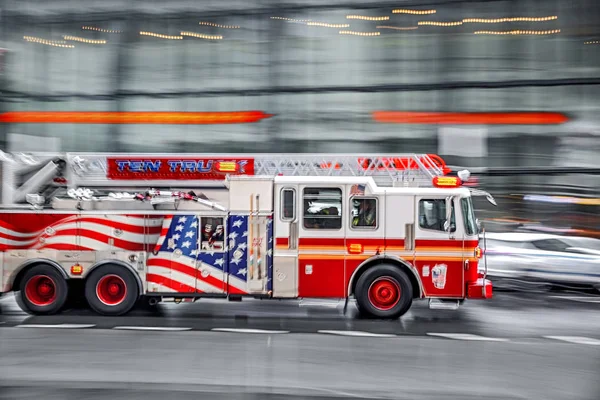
45,174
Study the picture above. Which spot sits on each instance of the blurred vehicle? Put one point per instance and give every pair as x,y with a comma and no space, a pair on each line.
546,257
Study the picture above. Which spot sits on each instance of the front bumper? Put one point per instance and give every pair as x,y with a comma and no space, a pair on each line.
480,289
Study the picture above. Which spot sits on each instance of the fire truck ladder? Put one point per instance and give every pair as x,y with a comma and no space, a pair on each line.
34,174
91,170
386,169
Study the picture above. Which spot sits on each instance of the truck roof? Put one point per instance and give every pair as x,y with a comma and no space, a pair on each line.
374,188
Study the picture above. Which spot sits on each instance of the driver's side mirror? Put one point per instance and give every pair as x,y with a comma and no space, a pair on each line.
479,226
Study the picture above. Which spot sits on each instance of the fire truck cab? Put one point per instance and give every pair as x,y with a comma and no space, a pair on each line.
386,231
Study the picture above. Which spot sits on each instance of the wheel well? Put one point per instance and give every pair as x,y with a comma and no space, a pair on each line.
17,281
398,264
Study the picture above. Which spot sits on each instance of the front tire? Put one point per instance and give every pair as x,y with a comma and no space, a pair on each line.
111,290
42,291
384,291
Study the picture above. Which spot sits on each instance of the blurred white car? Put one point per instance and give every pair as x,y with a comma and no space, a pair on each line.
543,257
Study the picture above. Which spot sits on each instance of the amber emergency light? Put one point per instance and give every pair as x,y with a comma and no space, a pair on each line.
227,166
478,252
446,182
355,248
76,269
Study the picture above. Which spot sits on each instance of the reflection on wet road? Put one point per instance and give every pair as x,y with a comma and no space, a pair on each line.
507,315
513,347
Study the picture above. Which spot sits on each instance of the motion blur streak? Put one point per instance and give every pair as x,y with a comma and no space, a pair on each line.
83,117
515,118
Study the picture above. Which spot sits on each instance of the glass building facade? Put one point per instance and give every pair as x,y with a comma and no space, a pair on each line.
297,62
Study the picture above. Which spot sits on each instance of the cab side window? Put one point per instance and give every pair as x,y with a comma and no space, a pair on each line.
212,234
432,215
363,213
288,204
322,208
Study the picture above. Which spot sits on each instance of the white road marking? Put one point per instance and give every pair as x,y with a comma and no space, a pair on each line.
576,340
336,392
152,328
7,298
356,333
581,299
59,326
467,336
246,330
317,304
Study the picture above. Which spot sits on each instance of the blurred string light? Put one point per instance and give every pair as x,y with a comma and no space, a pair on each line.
513,19
414,12
55,43
435,23
84,40
219,26
326,25
160,35
518,32
354,33
291,19
592,42
201,35
398,28
94,28
365,18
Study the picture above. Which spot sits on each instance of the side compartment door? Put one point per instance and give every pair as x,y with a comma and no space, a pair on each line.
438,255
285,236
211,260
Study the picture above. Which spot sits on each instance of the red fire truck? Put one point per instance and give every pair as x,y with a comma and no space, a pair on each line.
384,229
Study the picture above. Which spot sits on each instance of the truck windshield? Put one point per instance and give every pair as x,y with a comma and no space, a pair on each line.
469,216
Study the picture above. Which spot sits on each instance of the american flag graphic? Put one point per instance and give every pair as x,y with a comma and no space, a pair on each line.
181,264
78,232
357,190
176,260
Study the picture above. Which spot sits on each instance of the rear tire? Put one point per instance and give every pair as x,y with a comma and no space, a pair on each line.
384,291
42,291
111,290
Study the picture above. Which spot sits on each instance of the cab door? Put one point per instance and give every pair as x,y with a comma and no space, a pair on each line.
285,236
322,241
438,253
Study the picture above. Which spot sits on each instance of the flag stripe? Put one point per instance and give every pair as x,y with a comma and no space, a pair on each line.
185,269
169,283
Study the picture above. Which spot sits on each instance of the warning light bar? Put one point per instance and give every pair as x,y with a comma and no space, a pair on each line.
447,182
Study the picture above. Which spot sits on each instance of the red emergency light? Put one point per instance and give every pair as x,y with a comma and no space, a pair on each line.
447,182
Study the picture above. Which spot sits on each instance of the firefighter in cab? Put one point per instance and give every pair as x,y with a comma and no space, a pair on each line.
363,212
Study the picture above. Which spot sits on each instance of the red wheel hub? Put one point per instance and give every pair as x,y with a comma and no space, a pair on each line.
384,293
111,290
40,290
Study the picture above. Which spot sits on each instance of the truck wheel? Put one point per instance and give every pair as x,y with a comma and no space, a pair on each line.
384,291
42,291
111,290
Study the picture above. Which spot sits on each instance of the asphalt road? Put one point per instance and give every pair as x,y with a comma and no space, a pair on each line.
516,346
507,315
112,364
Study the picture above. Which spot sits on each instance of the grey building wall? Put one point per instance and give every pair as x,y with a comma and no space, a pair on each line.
320,85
